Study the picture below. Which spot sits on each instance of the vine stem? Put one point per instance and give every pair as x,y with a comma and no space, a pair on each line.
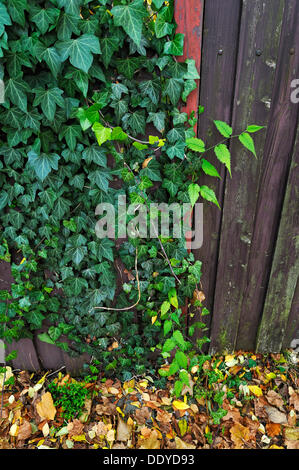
139,293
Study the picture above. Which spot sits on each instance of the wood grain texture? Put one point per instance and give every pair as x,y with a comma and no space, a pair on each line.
281,315
277,154
260,31
219,56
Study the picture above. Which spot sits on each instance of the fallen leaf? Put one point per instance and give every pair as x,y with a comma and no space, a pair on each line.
45,407
152,442
180,405
275,416
294,400
275,399
239,435
257,391
8,375
291,438
273,429
123,431
180,444
75,428
24,430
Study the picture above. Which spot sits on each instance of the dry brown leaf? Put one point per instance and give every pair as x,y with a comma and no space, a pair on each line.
142,415
163,416
123,431
24,431
275,416
294,400
152,442
239,435
273,429
180,444
75,428
291,438
275,399
146,162
101,429
45,407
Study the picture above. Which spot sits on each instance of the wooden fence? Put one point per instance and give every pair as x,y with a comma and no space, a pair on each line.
247,52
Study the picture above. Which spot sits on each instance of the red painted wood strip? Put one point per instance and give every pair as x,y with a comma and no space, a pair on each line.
189,18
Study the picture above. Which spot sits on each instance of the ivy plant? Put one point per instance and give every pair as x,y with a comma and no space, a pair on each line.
93,91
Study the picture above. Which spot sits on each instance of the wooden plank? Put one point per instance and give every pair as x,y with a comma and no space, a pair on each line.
50,356
277,155
189,18
291,337
219,56
284,274
258,44
27,358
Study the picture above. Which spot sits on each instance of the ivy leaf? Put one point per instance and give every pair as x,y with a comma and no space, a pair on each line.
16,10
136,122
80,50
109,45
80,78
75,285
96,155
71,134
177,150
208,194
170,186
52,59
248,142
189,86
42,164
67,25
223,128
71,6
128,67
15,91
152,89
4,18
101,179
173,88
158,119
209,169
48,99
43,17
192,73
223,155
175,47
130,17
4,199
162,27
102,133
76,254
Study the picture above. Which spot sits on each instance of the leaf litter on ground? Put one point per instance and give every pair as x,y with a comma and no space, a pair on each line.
259,409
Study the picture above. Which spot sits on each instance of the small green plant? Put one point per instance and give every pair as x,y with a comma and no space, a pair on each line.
71,398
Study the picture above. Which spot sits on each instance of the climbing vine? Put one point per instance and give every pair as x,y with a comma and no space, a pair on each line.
92,112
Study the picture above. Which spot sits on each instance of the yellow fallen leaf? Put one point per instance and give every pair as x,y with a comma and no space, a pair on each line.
110,435
14,430
180,405
255,390
182,444
45,407
79,438
8,375
154,319
275,447
45,430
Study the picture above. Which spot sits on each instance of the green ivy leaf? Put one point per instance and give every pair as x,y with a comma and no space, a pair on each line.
15,91
102,133
130,17
176,46
80,50
48,99
42,164
16,10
